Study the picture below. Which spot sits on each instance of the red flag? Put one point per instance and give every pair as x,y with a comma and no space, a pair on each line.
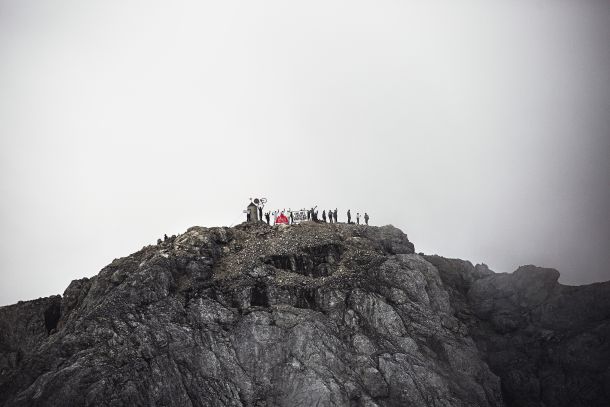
282,219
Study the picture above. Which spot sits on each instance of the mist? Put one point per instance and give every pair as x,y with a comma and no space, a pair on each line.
481,129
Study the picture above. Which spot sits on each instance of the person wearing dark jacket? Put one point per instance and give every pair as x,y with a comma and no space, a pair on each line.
324,215
366,218
349,216
335,215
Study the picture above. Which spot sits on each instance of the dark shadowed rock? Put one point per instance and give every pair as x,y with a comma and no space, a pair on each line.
548,343
313,314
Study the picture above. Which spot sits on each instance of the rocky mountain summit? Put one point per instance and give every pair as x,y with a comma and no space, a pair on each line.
307,315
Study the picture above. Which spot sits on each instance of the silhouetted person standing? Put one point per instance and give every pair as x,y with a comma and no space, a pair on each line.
349,217
267,217
324,216
165,238
366,218
330,216
260,213
358,218
291,218
335,215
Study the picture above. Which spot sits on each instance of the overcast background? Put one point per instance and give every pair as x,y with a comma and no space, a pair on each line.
480,128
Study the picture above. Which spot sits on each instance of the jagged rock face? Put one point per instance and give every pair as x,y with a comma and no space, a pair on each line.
548,343
314,314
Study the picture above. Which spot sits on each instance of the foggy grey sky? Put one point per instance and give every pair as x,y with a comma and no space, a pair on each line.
480,128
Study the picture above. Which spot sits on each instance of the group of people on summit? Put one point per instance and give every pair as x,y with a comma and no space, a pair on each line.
329,216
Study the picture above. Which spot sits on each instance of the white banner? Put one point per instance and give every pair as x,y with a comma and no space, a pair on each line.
299,216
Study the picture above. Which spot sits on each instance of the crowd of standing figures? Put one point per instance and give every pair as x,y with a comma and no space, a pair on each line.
290,217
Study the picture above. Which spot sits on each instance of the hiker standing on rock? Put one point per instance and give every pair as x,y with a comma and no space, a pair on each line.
314,214
267,217
335,215
330,216
366,218
260,213
349,217
324,216
358,218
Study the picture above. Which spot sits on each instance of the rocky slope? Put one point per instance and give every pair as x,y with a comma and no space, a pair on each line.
314,314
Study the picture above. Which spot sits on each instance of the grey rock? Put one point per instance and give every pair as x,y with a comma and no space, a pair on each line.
548,343
312,314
